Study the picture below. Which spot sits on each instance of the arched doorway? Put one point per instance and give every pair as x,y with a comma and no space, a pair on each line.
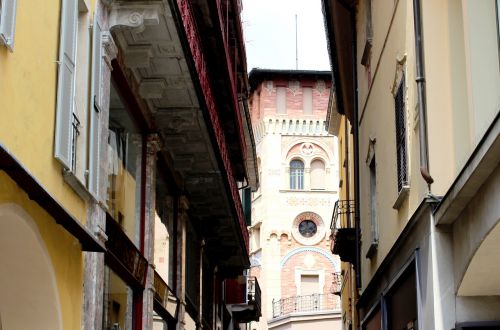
28,292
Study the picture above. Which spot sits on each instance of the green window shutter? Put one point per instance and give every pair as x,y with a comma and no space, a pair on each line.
8,23
66,84
247,205
95,106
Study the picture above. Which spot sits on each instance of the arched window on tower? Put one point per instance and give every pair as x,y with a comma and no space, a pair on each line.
296,174
317,175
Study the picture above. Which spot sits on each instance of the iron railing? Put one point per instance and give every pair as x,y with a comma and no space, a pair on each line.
342,213
75,132
253,295
304,304
401,144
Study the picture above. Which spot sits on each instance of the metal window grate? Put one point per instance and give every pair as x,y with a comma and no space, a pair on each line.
75,132
401,153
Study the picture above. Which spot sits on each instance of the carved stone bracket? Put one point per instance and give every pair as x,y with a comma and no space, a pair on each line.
110,49
135,16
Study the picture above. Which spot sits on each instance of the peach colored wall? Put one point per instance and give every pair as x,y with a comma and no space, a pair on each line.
263,100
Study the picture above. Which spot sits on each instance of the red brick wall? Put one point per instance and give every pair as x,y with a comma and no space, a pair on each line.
263,100
288,285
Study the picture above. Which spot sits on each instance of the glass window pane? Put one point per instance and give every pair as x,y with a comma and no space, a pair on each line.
118,301
296,174
164,231
124,168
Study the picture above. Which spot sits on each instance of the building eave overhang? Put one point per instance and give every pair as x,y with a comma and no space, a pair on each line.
338,18
168,69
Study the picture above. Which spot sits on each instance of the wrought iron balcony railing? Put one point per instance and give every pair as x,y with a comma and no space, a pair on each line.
245,296
305,304
342,213
343,241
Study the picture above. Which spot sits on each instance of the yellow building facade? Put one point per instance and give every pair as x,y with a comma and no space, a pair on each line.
45,262
419,82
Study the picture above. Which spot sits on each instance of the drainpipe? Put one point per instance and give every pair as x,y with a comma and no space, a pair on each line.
355,125
421,95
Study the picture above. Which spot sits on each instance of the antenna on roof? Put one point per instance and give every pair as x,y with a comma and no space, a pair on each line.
296,46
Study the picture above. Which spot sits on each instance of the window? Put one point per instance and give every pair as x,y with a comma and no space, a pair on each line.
317,175
125,145
297,174
308,228
77,137
165,238
373,208
400,107
497,4
7,23
281,100
192,269
118,296
366,56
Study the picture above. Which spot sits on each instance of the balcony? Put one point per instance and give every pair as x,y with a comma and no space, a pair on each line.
243,293
344,235
165,302
306,304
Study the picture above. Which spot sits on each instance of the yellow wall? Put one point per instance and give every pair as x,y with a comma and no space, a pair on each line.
64,251
28,81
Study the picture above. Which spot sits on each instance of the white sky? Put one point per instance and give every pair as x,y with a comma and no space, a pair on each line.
269,28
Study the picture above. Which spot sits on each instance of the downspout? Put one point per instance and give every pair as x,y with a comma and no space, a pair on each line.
347,172
356,151
421,95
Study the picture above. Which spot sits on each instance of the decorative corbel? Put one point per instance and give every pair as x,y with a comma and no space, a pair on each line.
134,16
110,49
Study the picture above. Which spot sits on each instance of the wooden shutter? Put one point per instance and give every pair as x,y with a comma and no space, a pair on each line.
66,83
8,23
95,106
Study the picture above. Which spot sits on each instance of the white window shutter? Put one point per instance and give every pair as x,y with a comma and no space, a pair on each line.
95,106
66,83
8,23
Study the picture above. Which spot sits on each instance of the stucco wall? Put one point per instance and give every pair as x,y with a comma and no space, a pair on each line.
28,98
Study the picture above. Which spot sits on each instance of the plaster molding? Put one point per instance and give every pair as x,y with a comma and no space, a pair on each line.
152,88
138,56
